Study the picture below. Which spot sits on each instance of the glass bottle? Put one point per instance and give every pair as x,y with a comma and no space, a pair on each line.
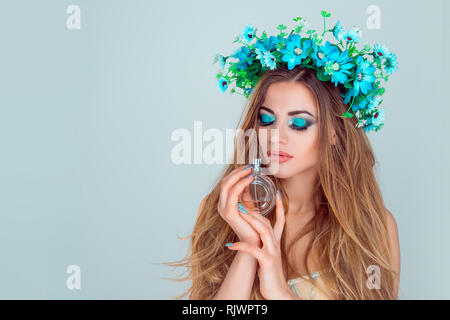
260,195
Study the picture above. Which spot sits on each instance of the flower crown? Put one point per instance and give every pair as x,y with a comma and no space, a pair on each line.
359,72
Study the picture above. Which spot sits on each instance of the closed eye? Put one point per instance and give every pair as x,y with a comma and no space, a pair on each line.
266,119
299,123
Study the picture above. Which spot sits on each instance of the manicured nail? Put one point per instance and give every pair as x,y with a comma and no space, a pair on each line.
250,175
241,209
248,166
228,244
279,193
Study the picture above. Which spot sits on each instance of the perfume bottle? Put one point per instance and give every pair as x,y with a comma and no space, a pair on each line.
260,195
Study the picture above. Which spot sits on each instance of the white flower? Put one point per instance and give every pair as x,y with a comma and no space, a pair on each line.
355,28
361,123
368,47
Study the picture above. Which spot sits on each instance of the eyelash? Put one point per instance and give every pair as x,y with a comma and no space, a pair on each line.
292,126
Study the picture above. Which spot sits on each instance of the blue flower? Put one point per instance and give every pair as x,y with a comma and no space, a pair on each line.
368,126
391,63
244,56
380,51
363,76
221,59
268,44
295,51
338,31
373,103
222,84
260,55
338,66
270,60
375,121
248,34
267,59
352,35
320,53
378,117
348,95
361,105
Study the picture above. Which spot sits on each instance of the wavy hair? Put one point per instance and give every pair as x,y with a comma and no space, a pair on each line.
349,227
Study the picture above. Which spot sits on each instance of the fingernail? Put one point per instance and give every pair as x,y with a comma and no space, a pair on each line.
279,193
250,175
241,209
248,166
228,244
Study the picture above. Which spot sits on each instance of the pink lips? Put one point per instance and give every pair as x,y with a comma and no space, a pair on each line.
279,156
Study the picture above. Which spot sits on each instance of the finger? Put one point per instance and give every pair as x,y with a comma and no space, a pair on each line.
280,218
229,181
265,232
238,188
249,248
264,220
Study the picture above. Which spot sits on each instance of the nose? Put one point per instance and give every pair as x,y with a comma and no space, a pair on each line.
278,135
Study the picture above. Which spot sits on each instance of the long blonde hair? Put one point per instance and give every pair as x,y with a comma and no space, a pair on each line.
349,227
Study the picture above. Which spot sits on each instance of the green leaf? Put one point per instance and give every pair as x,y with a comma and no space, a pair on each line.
325,14
347,115
348,85
352,50
322,76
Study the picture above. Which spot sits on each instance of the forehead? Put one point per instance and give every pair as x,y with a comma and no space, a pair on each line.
283,97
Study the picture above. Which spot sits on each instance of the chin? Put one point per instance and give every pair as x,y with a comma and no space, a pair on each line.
288,170
283,171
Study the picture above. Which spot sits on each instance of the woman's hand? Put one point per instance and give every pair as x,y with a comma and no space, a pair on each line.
230,188
273,285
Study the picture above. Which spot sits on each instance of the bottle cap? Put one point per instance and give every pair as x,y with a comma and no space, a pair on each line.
256,164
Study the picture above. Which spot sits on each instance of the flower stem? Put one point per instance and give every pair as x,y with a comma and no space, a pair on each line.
324,27
351,104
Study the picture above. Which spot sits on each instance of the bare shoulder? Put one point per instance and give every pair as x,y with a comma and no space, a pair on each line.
395,245
393,236
392,224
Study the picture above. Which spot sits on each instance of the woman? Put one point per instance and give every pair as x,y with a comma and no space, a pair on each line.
329,235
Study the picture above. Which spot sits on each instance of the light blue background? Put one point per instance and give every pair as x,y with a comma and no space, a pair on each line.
86,118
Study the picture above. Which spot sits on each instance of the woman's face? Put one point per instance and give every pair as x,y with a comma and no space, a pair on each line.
291,108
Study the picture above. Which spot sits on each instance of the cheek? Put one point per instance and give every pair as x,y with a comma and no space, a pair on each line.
305,149
263,144
264,138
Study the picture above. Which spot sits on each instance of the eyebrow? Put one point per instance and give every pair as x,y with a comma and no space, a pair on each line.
291,113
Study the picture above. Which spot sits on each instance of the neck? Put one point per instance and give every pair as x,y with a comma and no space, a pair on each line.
299,189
